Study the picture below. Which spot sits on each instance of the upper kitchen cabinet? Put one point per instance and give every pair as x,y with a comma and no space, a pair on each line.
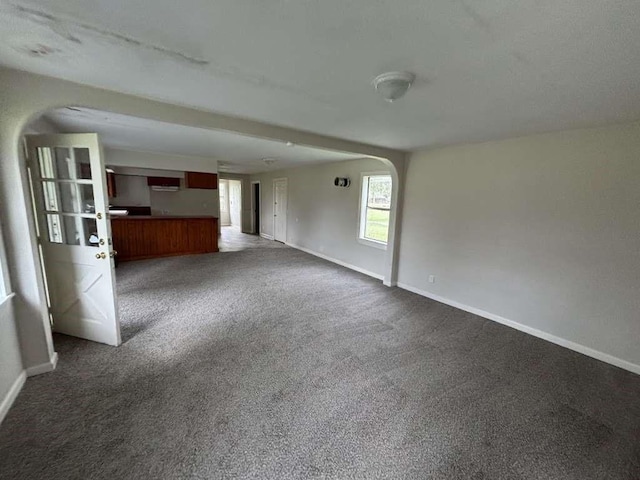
208,181
163,182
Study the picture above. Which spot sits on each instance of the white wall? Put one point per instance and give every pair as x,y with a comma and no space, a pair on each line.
131,190
321,217
129,158
11,369
542,230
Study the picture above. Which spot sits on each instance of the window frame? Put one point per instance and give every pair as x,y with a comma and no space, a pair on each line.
362,210
5,285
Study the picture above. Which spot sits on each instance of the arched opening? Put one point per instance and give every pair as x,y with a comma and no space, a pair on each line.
38,296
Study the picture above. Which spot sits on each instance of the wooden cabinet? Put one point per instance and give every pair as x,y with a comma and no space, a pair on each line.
138,238
163,182
208,181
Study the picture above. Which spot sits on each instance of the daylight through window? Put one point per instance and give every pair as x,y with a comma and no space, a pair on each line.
375,208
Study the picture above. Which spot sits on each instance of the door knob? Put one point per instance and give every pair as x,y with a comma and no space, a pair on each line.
113,254
101,255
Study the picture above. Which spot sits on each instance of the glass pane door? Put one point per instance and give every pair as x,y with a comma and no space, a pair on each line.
68,177
68,199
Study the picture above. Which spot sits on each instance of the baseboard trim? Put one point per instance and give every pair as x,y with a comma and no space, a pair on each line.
46,367
335,260
268,237
12,394
590,352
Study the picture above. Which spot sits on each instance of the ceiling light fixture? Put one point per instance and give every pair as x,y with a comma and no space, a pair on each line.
393,85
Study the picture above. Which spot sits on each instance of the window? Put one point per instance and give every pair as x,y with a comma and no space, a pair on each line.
64,182
4,278
375,208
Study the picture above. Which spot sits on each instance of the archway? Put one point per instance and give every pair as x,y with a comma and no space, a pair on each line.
25,97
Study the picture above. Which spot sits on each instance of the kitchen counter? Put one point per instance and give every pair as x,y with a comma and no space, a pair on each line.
142,237
160,217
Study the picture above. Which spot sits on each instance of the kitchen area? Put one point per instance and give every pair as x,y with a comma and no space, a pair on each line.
161,213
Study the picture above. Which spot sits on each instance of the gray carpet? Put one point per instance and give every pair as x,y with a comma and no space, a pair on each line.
271,363
233,240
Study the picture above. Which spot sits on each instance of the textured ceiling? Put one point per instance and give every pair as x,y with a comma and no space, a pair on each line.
235,153
486,69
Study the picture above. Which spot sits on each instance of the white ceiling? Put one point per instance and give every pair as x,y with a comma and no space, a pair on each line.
486,68
235,153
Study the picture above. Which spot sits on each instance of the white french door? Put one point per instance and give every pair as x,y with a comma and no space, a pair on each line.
280,210
74,230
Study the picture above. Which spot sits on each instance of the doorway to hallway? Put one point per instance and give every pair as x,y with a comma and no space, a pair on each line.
231,203
255,207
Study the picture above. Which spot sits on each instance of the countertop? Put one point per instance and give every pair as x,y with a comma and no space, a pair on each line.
161,217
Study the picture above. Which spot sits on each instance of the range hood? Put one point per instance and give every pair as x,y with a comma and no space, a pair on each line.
164,184
164,188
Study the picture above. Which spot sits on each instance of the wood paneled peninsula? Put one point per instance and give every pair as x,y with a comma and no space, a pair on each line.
141,237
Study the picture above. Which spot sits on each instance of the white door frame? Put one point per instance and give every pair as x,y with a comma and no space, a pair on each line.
286,181
253,210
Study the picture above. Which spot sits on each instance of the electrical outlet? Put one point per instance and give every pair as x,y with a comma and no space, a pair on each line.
432,279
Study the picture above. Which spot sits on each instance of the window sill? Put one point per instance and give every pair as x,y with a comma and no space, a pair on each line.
372,243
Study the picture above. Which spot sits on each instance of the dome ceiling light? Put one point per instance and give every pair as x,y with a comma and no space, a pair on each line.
393,85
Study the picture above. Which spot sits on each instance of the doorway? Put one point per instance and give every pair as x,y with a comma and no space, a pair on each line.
255,207
235,203
225,217
231,203
280,210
